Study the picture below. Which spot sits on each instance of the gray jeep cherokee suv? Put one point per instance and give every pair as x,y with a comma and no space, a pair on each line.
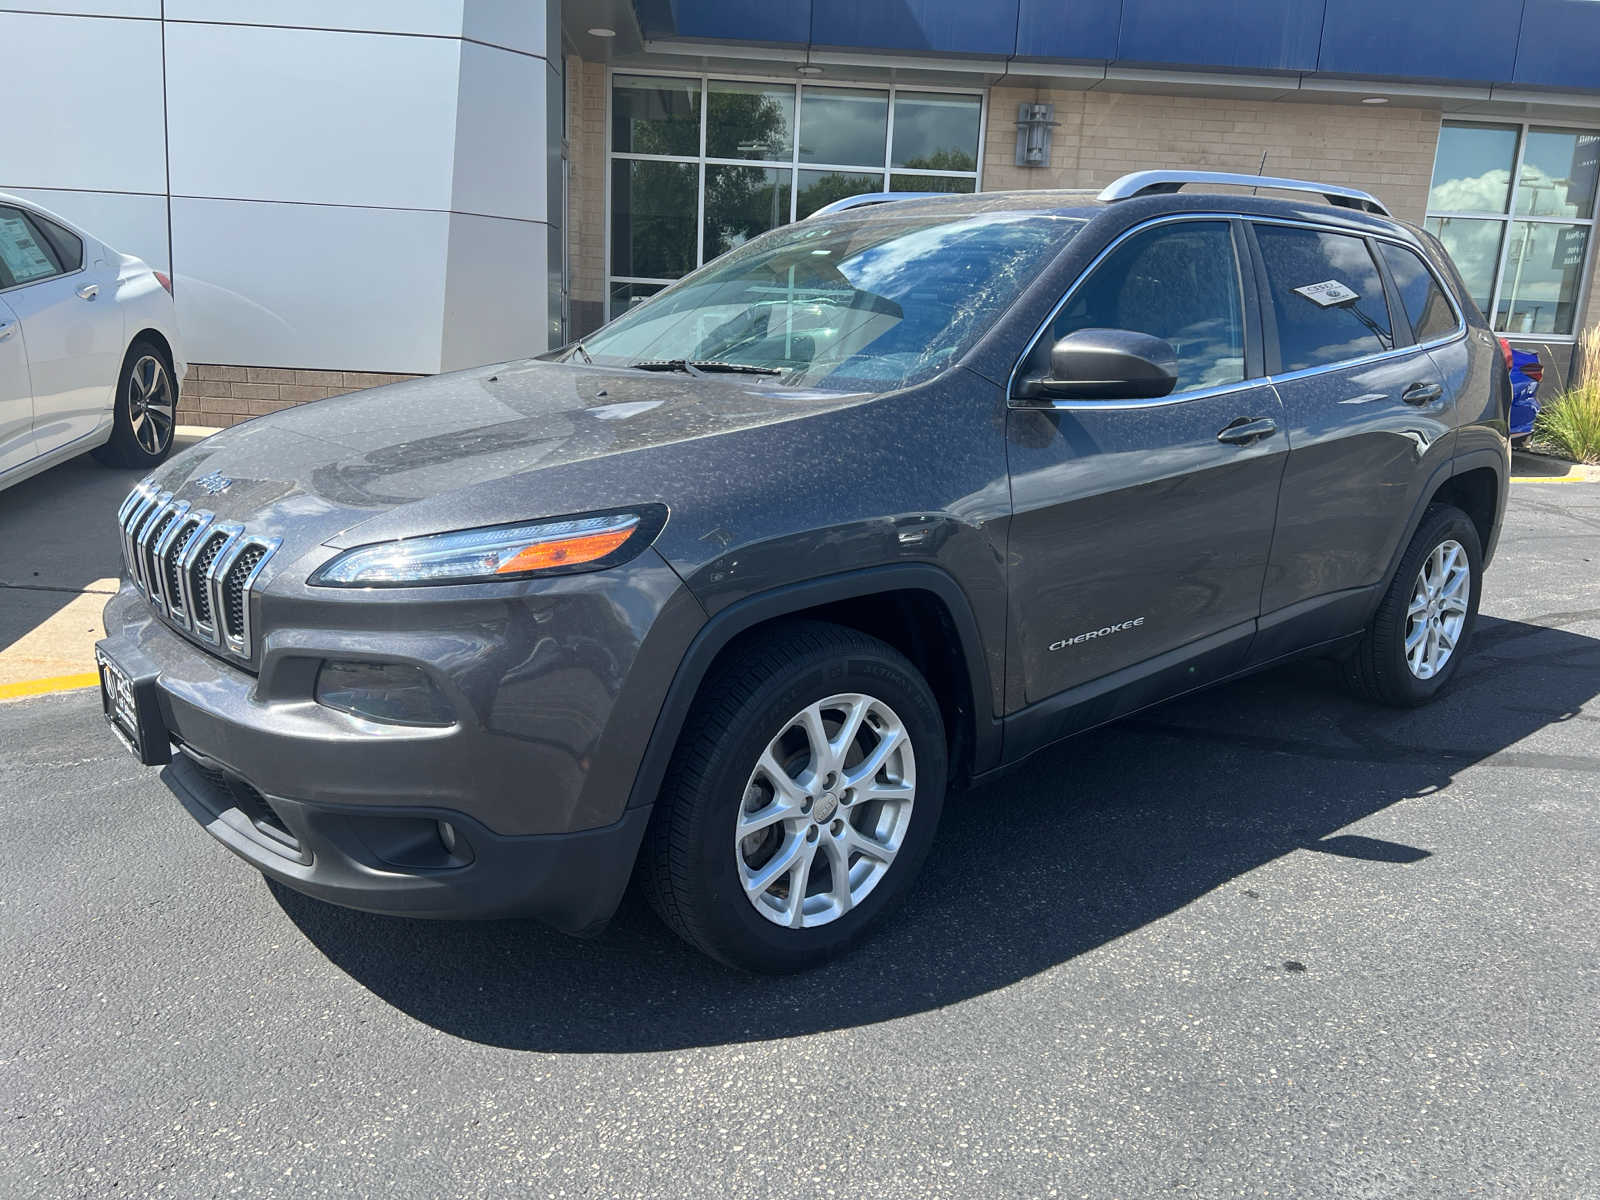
878,503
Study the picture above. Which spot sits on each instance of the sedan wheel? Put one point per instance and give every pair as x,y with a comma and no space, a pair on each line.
145,414
151,404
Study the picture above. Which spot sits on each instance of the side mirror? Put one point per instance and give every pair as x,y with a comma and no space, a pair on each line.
1106,364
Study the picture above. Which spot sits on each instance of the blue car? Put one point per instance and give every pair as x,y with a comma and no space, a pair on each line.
1526,372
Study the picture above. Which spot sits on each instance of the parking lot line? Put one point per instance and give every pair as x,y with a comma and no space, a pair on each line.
42,687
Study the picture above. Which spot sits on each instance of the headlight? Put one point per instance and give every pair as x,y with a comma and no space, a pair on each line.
570,544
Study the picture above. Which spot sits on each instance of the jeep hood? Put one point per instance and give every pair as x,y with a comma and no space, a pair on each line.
472,447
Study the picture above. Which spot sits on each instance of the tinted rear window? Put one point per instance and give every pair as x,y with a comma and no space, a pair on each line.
1327,296
1425,303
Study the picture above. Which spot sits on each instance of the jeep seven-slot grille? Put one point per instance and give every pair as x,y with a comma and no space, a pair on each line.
233,588
197,572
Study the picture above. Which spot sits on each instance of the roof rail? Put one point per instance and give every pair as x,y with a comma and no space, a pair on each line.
871,198
1156,183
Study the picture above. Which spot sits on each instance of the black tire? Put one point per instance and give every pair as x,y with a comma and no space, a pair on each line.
1378,669
142,434
688,867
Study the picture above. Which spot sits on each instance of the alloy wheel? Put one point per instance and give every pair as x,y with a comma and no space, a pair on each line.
1438,609
825,810
150,407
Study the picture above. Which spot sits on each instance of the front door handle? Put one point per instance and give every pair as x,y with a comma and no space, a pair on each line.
7,330
89,291
1244,430
1422,393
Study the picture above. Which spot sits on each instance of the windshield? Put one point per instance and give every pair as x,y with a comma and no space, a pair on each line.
846,304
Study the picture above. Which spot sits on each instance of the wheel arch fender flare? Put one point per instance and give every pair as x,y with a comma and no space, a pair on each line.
796,599
1442,474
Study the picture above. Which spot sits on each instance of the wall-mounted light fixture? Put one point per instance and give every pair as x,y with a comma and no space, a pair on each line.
1034,123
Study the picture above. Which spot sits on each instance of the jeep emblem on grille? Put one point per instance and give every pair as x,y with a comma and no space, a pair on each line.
214,483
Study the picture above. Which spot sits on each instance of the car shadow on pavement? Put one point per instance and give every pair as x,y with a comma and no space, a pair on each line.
1092,840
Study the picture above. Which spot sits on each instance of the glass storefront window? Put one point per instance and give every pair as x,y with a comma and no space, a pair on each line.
701,166
1475,247
1521,249
749,120
1544,265
652,218
935,133
839,125
742,202
1472,169
1558,174
818,188
652,115
901,182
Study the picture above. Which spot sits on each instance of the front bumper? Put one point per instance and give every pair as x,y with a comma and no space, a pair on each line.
393,861
517,809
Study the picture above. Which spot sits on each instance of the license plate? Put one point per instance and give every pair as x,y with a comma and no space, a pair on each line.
130,710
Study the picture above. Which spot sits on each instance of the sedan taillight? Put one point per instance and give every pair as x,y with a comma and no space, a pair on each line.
164,280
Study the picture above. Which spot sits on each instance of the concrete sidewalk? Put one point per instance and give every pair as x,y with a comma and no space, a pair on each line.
59,564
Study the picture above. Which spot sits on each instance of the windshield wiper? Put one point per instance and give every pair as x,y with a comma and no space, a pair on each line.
577,348
703,366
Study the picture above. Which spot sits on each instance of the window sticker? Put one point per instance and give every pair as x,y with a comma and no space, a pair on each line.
1328,293
25,259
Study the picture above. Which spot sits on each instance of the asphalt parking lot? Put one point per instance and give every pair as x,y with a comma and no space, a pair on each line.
1261,942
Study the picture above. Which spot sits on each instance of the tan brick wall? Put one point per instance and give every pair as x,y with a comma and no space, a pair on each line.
586,191
1387,150
218,395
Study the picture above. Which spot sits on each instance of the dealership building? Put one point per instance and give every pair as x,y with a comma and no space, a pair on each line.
350,190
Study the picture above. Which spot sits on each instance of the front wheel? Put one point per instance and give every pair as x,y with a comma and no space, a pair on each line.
146,410
1422,628
801,801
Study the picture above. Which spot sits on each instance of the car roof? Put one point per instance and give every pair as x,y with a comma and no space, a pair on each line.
1147,194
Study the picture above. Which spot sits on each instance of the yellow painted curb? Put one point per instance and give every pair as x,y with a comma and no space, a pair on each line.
1571,477
56,683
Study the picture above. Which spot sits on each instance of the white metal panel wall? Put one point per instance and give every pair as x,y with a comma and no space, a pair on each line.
339,169
82,103
306,115
495,298
439,18
310,285
500,135
150,9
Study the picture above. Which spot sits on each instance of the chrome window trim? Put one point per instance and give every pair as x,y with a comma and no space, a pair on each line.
1012,401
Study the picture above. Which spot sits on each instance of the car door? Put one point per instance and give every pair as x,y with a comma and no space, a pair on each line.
65,303
1369,420
16,396
1141,529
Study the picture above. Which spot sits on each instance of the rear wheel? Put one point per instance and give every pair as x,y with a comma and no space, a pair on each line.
801,801
1422,628
146,409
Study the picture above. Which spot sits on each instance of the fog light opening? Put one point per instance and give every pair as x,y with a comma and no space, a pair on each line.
393,693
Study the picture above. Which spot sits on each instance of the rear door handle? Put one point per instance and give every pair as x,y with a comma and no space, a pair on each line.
1244,430
89,291
1422,393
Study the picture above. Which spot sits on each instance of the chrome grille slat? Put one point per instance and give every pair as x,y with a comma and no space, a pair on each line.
197,573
